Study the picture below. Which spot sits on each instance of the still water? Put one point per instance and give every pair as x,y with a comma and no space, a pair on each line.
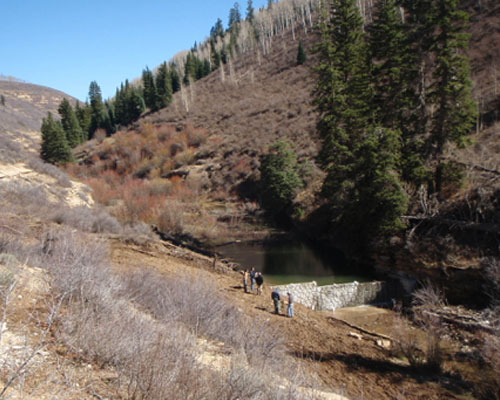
291,262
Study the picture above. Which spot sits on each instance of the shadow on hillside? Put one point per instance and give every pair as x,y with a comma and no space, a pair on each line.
398,373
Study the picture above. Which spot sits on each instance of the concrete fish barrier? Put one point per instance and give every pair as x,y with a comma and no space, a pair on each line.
335,296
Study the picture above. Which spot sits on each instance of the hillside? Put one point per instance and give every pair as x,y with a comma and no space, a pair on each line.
25,105
95,305
257,99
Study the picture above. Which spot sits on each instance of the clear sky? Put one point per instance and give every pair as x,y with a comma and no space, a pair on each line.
66,44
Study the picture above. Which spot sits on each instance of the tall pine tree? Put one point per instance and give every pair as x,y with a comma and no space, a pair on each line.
163,86
99,117
54,147
450,92
70,124
149,91
358,156
84,116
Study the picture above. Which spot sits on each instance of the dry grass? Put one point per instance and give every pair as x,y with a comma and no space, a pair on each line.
147,327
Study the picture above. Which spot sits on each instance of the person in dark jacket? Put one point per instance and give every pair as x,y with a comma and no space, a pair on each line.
276,296
259,280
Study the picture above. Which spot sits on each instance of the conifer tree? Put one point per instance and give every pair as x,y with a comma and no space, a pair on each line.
358,156
279,179
234,17
84,116
163,86
128,104
214,54
175,78
99,115
217,30
250,12
70,124
54,147
2,100
454,113
110,117
150,94
388,45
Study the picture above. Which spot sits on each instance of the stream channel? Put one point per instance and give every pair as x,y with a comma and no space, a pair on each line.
291,261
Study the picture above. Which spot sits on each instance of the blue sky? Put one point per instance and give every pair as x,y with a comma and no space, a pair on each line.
66,44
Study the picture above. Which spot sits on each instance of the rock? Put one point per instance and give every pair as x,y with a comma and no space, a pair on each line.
355,335
385,344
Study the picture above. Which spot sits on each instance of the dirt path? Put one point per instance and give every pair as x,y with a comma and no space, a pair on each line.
347,360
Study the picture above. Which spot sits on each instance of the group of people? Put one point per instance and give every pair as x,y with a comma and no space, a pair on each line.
279,300
255,279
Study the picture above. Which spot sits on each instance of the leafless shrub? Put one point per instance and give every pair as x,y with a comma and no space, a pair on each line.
171,219
426,300
139,233
10,150
48,169
77,263
87,219
194,303
406,341
428,296
32,199
100,135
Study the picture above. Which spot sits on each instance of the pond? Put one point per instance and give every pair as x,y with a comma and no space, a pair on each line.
284,262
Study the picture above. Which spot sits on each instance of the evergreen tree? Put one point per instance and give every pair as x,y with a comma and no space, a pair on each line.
128,104
189,70
395,76
84,116
99,117
301,54
175,78
234,17
217,30
454,112
2,100
54,147
250,12
150,94
388,50
279,179
214,54
163,86
358,156
70,124
110,117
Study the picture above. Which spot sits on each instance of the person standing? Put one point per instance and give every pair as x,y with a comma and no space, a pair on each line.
259,280
275,295
252,279
246,276
289,310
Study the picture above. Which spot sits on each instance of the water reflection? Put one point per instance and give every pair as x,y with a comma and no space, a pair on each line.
285,262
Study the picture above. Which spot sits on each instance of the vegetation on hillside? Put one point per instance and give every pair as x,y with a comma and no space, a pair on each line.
376,129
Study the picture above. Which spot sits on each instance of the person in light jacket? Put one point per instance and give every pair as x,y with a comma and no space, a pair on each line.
289,310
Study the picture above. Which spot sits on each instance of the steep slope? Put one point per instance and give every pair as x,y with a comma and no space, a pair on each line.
24,106
259,99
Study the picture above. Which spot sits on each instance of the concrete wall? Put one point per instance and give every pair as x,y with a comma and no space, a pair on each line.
335,296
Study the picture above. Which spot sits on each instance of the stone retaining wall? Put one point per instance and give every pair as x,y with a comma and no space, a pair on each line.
335,296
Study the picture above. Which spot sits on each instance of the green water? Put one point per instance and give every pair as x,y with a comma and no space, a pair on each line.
291,262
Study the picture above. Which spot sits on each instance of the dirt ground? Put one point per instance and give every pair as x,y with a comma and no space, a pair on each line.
347,349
